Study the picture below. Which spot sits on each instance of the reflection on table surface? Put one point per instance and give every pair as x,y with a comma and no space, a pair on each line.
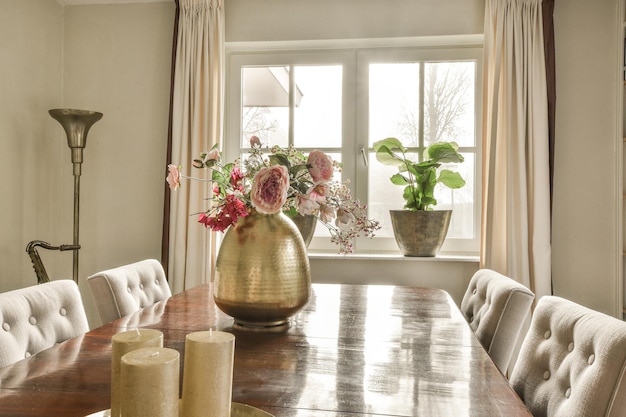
354,350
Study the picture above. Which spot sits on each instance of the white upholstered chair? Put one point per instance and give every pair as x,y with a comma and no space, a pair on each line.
572,362
496,308
121,291
35,318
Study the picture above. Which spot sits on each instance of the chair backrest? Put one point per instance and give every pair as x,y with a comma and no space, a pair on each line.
572,362
496,308
126,289
35,318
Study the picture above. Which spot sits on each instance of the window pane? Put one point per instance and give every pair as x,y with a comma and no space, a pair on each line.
394,102
449,102
265,105
383,195
461,201
448,116
317,120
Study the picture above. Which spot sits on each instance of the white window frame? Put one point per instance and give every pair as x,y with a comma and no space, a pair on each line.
354,56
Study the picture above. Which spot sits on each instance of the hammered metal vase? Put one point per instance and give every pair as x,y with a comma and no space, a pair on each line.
262,274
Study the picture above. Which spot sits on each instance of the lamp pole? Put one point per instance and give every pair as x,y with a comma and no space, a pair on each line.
76,124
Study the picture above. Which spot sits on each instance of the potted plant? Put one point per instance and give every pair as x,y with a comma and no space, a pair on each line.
419,230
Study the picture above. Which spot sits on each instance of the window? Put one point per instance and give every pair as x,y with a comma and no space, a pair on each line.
342,100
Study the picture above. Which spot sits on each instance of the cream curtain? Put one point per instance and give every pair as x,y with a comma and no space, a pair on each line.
197,109
515,237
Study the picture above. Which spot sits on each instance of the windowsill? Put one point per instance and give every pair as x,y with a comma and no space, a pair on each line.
394,257
448,272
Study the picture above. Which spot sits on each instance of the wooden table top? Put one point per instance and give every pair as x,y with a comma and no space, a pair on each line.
353,351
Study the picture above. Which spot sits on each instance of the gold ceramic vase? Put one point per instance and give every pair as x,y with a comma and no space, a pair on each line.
262,275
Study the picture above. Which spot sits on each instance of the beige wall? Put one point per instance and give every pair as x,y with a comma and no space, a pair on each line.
31,82
275,20
117,61
586,252
110,58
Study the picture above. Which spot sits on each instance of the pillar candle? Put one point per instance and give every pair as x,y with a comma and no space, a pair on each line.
150,383
208,374
123,343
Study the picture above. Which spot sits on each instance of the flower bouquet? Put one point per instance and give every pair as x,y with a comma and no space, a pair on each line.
284,179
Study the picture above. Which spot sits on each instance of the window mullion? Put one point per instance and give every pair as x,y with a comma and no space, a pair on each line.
292,104
420,133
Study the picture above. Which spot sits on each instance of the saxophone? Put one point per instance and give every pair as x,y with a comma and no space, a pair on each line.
40,270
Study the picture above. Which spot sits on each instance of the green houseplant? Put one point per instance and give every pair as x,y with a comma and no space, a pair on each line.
419,230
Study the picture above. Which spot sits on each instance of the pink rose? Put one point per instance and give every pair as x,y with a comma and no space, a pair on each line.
269,189
213,155
173,176
255,142
320,166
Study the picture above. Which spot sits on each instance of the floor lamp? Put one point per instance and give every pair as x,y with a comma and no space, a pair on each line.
76,124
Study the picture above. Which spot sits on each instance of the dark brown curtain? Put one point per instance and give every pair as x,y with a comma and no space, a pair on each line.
548,40
165,241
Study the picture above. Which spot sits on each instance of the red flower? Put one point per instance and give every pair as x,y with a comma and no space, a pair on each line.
236,179
227,214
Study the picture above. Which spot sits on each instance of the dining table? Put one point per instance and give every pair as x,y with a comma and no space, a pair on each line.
353,350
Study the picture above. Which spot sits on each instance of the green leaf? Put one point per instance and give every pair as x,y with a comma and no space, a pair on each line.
444,152
217,176
297,168
451,179
386,152
410,199
211,163
427,202
389,143
399,179
280,159
291,212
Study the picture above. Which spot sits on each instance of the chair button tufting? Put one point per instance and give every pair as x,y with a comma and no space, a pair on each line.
547,334
63,311
591,359
568,392
128,289
474,291
546,375
6,327
471,319
570,347
32,320
141,286
156,282
27,354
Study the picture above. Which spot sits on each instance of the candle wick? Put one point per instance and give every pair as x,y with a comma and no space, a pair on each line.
137,330
154,354
211,332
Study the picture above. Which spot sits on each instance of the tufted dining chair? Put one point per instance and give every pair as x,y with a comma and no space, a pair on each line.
126,289
496,308
572,362
36,318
